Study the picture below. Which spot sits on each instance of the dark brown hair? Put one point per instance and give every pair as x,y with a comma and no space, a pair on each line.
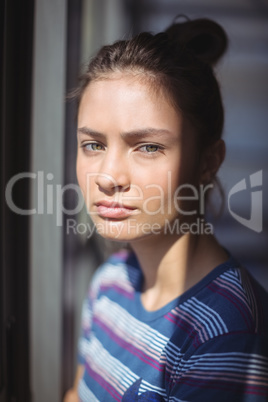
178,61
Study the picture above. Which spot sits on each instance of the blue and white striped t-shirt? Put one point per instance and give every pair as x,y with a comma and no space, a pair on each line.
210,344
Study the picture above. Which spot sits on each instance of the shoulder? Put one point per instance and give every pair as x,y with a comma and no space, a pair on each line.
119,273
228,303
239,300
223,331
110,280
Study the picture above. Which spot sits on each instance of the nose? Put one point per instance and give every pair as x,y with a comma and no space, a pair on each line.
113,174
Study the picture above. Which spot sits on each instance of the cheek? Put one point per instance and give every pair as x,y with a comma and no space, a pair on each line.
79,171
82,172
169,189
158,192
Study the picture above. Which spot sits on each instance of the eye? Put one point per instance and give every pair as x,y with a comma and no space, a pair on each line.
93,146
150,148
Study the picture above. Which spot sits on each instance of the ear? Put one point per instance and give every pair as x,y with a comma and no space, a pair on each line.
211,160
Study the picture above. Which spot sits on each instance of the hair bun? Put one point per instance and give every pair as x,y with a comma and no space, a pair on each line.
203,37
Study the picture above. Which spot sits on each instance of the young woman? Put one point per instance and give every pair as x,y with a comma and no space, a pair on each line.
176,318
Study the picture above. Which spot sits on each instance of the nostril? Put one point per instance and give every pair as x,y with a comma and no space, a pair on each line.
118,182
122,187
105,180
125,188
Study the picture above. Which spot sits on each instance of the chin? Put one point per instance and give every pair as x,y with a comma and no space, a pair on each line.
120,231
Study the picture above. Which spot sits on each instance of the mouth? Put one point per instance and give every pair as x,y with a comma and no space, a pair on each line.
114,210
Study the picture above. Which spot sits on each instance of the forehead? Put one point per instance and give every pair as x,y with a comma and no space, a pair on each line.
126,95
123,84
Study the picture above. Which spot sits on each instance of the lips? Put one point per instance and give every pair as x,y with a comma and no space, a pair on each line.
114,210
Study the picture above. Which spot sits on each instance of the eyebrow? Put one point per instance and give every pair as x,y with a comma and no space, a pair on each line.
140,133
91,133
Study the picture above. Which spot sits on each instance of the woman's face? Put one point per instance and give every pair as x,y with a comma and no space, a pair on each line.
134,154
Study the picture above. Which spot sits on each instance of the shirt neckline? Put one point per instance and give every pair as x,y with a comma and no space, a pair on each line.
146,315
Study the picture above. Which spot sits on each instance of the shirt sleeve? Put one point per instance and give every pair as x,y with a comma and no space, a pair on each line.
87,315
232,368
86,319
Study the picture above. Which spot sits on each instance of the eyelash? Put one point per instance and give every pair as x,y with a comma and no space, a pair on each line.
91,144
149,146
142,148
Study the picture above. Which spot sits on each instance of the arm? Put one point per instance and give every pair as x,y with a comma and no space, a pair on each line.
72,394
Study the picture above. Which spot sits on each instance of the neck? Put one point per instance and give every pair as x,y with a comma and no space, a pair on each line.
171,265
